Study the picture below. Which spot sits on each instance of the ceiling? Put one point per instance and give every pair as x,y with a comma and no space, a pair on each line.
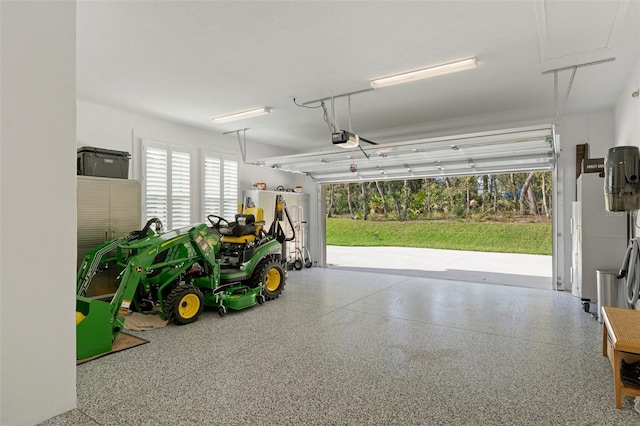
191,61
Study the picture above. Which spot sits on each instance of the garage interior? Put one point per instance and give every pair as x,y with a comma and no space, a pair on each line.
337,347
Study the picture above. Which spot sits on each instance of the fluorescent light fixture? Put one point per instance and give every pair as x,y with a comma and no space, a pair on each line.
241,115
465,64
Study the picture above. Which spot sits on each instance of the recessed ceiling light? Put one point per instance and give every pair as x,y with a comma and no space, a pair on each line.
241,115
451,67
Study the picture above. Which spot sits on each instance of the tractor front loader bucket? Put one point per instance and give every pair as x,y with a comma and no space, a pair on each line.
93,327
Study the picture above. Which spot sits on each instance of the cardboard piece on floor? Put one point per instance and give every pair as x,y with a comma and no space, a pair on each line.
140,322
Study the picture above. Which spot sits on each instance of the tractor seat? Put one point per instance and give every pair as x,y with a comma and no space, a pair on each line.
246,227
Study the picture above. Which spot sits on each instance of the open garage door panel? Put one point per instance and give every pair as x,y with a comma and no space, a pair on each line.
504,151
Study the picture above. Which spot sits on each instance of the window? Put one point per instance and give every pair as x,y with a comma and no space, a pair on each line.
212,197
230,185
220,186
174,180
180,189
167,180
155,180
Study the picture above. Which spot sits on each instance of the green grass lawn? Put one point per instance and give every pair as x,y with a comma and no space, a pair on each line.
528,238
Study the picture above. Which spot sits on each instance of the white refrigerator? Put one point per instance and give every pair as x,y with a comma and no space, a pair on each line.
576,249
599,237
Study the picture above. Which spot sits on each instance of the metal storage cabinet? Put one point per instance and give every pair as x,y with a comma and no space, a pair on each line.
107,208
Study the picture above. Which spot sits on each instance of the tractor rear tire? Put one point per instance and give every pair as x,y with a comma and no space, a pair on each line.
184,304
271,276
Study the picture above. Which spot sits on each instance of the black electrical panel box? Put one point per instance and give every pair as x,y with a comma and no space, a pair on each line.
593,165
103,162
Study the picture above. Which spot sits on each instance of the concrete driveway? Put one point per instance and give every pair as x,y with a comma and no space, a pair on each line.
521,270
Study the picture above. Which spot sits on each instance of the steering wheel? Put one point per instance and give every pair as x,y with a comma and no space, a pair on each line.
218,222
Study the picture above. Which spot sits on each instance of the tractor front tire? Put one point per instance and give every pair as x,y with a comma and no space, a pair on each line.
271,276
184,304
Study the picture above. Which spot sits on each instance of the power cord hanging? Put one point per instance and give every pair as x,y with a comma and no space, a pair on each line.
336,126
325,113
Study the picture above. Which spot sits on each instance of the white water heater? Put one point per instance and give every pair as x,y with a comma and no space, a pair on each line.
622,179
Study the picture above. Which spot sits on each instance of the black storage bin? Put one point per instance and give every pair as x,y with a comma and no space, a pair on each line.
103,162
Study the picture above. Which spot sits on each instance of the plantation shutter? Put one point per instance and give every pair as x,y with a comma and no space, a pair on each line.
220,186
156,184
230,182
212,195
167,184
180,189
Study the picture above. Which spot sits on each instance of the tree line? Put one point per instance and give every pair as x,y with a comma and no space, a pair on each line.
466,197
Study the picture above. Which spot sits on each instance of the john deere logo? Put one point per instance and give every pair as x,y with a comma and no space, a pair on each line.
139,269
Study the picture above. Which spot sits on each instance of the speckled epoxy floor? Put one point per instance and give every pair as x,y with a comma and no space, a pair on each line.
353,348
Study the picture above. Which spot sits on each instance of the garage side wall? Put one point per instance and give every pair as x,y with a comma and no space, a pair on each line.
37,211
627,116
111,128
627,112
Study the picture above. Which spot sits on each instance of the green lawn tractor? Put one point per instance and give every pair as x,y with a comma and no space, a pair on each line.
223,265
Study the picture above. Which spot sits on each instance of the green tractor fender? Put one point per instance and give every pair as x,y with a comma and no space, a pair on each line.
271,249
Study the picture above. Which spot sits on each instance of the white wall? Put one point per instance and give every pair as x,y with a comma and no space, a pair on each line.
111,128
37,214
627,112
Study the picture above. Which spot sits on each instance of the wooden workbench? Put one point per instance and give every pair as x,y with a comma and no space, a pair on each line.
621,340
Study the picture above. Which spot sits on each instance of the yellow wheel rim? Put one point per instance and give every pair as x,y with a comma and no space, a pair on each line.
272,279
189,306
